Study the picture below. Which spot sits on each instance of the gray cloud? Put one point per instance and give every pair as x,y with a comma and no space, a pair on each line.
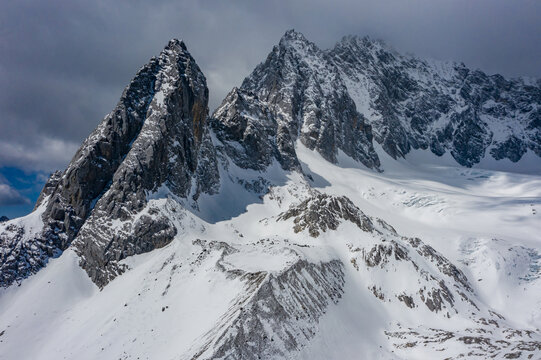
63,64
41,154
10,196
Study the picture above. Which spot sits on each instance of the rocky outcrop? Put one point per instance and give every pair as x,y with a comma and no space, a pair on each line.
440,286
480,342
22,253
322,212
251,134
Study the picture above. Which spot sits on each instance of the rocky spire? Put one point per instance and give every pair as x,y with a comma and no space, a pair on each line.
153,139
302,96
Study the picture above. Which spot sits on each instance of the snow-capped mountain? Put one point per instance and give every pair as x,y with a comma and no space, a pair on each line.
326,210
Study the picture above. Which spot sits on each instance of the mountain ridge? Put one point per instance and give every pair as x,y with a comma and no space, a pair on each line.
461,105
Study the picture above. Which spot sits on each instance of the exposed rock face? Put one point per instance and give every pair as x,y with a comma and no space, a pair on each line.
22,253
297,93
323,212
440,289
418,104
482,343
251,135
71,194
165,156
3,218
155,139
267,321
74,192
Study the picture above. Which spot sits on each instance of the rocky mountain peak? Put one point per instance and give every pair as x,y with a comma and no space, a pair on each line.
295,40
292,34
176,45
302,95
152,141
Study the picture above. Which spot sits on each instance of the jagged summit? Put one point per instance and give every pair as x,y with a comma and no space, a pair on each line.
292,34
295,39
176,43
301,90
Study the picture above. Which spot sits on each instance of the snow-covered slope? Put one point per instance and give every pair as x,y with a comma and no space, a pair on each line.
370,281
276,229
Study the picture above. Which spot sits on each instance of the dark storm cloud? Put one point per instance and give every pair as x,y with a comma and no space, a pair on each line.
63,64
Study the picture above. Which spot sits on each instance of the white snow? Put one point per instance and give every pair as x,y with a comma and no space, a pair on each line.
32,223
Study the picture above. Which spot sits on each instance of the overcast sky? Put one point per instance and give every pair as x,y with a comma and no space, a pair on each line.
63,64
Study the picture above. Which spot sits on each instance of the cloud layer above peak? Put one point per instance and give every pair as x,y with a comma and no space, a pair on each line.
63,64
